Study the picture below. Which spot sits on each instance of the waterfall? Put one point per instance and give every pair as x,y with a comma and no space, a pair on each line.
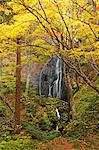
58,116
57,113
53,84
57,127
60,78
49,94
54,81
58,81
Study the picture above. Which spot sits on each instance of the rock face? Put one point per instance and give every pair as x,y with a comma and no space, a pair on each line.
51,80
34,74
47,80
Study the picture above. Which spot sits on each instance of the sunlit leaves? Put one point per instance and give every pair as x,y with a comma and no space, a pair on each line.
39,27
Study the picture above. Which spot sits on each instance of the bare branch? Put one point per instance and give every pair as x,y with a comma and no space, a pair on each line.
86,24
4,101
82,7
80,73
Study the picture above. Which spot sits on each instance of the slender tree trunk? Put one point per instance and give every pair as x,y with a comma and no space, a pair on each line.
1,64
81,74
70,95
27,81
67,93
29,68
18,93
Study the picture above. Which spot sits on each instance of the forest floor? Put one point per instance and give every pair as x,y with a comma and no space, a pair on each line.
63,144
57,144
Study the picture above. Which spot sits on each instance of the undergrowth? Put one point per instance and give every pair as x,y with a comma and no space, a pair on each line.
38,122
85,128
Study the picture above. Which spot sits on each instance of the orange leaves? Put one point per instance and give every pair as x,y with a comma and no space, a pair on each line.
58,34
97,7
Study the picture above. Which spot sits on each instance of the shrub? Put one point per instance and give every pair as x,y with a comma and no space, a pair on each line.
36,133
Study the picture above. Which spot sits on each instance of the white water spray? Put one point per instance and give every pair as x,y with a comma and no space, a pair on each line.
57,113
57,84
58,116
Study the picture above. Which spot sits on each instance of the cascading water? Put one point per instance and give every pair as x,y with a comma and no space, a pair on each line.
55,86
58,116
49,93
57,113
50,81
59,77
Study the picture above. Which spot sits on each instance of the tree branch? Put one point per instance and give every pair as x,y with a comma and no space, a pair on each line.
45,19
80,73
60,12
1,98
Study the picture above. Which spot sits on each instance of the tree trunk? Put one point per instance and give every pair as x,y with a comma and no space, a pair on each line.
29,67
1,64
69,92
71,96
81,74
18,93
28,81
